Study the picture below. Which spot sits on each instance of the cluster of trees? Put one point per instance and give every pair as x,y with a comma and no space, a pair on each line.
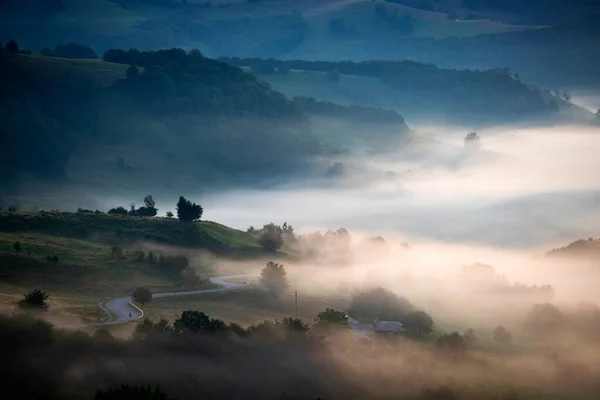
484,277
187,211
187,82
271,237
581,248
147,210
70,50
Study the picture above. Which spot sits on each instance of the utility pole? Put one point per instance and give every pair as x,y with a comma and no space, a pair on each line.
296,298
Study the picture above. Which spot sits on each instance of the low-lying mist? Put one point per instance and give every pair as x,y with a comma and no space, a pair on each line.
523,188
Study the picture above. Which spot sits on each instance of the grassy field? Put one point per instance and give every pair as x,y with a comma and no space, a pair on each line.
118,229
245,306
102,73
86,272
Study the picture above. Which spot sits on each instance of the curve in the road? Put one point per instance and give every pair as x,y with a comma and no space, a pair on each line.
122,309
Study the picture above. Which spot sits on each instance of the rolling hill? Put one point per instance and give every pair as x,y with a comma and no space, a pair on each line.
420,92
544,44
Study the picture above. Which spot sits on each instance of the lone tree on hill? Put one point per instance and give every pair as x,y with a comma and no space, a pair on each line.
188,211
273,277
35,299
142,295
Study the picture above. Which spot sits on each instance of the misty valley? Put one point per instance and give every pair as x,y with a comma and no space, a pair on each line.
282,199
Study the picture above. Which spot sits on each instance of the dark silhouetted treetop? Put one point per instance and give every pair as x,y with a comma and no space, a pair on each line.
188,211
198,322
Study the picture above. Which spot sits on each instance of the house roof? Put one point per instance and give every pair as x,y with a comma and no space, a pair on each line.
389,326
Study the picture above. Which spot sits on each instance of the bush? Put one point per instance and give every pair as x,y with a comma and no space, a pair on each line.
118,211
273,277
35,299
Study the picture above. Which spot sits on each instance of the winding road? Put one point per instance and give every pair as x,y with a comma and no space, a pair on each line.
122,309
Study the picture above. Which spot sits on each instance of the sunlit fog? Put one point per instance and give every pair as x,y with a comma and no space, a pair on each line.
524,188
299,199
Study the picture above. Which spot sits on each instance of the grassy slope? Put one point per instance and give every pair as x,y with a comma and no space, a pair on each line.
86,273
116,229
102,73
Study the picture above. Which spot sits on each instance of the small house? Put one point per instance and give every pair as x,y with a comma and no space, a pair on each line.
389,328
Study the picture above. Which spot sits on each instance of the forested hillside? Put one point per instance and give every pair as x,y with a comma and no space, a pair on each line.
415,89
183,111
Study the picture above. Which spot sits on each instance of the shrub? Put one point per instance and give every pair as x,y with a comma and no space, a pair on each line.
273,277
35,299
